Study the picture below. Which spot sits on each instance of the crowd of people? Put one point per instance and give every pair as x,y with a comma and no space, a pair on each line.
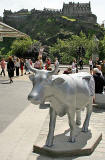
97,69
16,66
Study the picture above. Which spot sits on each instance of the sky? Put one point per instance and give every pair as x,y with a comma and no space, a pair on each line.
97,6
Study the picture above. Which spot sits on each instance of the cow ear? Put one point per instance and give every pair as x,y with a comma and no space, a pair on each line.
58,81
31,77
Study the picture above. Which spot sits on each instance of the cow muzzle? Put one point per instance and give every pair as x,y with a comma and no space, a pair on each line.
34,100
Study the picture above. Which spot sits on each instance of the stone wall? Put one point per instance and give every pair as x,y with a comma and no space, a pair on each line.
1,19
81,11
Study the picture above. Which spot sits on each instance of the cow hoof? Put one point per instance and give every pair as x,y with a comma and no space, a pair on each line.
48,144
84,129
78,123
72,139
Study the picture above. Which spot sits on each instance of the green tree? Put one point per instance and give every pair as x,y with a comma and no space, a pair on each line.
102,49
62,50
20,46
67,49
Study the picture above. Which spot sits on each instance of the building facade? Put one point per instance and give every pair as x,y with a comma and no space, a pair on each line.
76,9
80,11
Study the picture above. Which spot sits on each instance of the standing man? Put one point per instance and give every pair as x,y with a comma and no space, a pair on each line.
97,61
99,81
81,63
3,64
103,68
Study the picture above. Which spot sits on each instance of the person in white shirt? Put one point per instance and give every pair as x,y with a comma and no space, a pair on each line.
91,65
74,66
17,66
57,64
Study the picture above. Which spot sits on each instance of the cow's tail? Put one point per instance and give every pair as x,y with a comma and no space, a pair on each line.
91,84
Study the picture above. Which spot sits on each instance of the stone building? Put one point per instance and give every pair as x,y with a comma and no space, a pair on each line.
1,19
76,9
79,11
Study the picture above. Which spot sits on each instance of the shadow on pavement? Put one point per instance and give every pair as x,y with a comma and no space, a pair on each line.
98,110
62,143
4,81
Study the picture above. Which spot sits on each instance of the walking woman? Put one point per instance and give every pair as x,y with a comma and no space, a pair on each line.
10,68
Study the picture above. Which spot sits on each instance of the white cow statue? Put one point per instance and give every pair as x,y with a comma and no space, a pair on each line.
67,94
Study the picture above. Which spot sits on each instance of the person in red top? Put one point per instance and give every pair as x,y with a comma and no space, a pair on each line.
30,62
68,71
48,64
21,66
3,64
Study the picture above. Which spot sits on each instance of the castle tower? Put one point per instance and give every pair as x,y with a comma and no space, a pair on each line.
76,9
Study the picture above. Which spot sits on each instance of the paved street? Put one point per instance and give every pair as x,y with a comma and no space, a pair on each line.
21,122
13,100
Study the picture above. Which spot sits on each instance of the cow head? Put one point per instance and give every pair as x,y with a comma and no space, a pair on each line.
41,80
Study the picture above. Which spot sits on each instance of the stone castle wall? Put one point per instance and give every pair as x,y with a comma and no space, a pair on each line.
1,19
74,10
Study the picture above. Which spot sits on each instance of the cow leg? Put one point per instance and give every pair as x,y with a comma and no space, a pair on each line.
71,117
50,137
78,117
88,115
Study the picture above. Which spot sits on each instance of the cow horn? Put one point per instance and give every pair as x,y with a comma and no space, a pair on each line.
54,71
31,68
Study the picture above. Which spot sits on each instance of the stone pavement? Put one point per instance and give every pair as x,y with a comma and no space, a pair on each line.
97,122
17,139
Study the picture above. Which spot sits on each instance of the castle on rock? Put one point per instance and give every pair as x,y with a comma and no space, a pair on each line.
79,11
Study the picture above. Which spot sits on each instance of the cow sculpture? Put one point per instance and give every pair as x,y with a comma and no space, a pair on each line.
67,94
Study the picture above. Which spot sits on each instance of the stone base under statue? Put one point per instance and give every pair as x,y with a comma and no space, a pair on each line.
84,145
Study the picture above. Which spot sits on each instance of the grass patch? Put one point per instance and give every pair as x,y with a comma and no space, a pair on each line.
69,19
